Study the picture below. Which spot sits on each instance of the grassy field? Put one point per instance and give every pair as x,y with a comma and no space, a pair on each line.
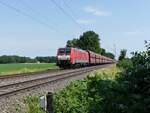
6,69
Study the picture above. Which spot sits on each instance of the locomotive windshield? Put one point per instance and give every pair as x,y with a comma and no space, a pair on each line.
61,51
64,51
67,50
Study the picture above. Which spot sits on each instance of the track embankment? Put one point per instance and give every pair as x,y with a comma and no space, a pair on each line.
12,89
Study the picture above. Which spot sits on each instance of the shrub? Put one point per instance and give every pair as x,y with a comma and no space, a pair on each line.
129,92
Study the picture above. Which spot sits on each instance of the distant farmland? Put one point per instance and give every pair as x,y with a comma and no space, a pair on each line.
7,69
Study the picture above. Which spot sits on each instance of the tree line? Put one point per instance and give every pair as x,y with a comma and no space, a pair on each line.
89,41
19,59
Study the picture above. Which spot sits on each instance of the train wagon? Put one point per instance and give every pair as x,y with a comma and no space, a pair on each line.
96,59
92,58
72,57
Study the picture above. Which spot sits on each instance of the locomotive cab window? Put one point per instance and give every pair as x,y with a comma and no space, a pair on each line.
65,51
61,51
68,50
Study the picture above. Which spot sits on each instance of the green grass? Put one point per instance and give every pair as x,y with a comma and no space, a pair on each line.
7,69
33,105
30,104
107,73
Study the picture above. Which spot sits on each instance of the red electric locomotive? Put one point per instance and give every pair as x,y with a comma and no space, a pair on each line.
70,57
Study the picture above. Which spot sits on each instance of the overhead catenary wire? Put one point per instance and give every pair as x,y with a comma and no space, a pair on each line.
36,12
25,14
70,9
72,12
29,16
67,14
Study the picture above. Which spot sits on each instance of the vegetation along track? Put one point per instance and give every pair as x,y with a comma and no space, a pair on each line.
12,88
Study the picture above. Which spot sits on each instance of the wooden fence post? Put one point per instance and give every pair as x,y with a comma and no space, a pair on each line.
49,97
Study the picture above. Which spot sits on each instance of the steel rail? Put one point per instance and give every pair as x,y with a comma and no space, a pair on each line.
42,81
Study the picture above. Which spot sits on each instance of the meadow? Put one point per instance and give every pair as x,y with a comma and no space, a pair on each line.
7,69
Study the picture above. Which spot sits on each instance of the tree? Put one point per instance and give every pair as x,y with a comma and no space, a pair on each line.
48,59
107,54
103,51
89,41
72,43
110,55
122,54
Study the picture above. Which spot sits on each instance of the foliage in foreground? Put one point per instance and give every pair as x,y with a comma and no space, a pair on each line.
86,96
125,63
129,92
33,105
138,80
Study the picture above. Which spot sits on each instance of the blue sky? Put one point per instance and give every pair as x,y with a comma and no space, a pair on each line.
40,27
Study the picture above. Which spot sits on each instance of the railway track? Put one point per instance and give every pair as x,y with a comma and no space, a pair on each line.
13,88
27,76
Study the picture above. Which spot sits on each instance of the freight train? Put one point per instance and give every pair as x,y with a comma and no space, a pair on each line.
73,57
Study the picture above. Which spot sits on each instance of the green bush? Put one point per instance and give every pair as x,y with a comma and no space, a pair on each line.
138,79
125,64
129,92
86,96
73,99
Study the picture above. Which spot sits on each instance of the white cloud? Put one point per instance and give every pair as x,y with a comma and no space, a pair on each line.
84,22
96,11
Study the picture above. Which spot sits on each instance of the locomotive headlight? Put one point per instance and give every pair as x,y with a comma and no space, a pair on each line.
64,57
